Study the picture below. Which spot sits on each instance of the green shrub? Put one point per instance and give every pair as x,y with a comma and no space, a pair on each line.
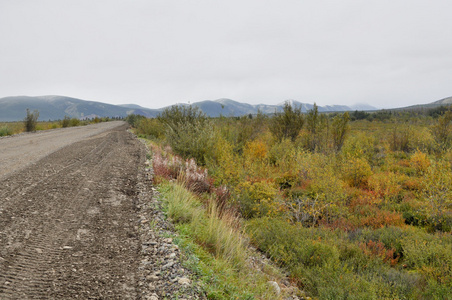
65,122
289,245
74,122
283,154
188,131
31,120
5,130
442,130
340,129
288,123
150,128
132,119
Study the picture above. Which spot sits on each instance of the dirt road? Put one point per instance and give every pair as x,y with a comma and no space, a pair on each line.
68,214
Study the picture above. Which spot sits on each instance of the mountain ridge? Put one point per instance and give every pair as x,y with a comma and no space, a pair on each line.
54,107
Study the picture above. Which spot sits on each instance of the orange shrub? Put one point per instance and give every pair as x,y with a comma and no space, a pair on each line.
387,185
255,150
377,249
375,218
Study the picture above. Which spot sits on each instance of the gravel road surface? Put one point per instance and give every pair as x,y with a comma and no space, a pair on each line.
20,150
68,214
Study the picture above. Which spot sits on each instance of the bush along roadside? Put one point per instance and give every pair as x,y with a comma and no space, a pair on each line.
351,212
210,234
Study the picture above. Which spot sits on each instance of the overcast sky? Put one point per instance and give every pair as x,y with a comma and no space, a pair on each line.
386,53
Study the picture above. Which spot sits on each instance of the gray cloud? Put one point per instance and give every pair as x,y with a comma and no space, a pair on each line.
155,53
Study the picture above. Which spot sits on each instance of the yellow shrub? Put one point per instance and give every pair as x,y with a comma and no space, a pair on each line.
420,162
356,171
225,166
255,151
387,185
256,198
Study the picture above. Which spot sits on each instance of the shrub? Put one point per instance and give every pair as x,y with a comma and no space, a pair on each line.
74,122
340,129
65,122
420,162
150,128
431,255
188,131
387,185
400,139
283,155
317,134
132,119
437,194
390,236
362,145
248,129
253,194
356,171
31,120
5,130
288,123
442,130
224,164
288,244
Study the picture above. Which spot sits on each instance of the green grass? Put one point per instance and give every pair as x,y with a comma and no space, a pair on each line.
214,247
11,128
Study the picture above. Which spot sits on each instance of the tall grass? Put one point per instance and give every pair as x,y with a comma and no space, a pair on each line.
216,239
218,231
11,128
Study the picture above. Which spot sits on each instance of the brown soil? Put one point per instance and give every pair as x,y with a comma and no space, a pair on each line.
68,221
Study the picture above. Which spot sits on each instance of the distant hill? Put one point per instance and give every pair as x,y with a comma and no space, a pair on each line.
443,102
228,107
57,107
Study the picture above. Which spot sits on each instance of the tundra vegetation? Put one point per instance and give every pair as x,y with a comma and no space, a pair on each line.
353,205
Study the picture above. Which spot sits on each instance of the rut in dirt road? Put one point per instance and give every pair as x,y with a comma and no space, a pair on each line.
68,222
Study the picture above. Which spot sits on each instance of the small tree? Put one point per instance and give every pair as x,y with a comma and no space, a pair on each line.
31,120
442,130
288,123
318,126
340,129
65,122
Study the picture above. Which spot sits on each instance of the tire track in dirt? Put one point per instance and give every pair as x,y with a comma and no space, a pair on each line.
20,150
68,222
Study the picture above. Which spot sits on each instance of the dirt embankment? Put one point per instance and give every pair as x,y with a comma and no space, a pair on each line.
68,214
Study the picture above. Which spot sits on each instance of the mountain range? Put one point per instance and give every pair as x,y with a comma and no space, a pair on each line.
57,107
